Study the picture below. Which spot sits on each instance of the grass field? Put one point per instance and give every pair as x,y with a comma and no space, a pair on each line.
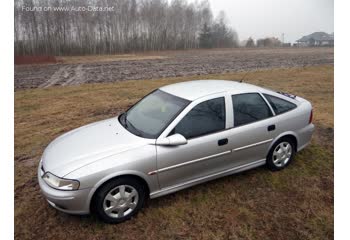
296,203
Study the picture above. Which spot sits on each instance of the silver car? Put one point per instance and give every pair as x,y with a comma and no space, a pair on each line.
177,136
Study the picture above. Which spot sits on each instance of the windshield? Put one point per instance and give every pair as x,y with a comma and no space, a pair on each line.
150,116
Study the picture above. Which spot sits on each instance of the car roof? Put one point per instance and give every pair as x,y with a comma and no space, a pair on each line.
192,90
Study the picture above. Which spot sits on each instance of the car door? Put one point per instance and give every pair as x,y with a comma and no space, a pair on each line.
253,130
204,128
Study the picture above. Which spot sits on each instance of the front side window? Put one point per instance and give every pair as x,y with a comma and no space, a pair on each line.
248,108
150,116
279,105
207,117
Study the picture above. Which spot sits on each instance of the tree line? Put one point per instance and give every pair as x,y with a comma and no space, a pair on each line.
78,27
264,42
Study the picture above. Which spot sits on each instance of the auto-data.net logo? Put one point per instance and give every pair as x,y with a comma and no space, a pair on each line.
67,9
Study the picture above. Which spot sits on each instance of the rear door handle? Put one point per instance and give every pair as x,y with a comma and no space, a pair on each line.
271,127
222,141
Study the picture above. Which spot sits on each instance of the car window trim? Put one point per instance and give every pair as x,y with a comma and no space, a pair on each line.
230,128
210,133
268,104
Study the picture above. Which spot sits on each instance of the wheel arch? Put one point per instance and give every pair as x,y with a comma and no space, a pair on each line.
132,174
290,135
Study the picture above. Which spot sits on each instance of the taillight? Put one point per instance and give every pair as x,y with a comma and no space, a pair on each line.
311,116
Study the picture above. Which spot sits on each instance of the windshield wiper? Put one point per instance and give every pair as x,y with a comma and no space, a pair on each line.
136,131
123,119
128,125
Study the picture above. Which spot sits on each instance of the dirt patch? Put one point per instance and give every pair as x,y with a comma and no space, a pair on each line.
34,59
97,69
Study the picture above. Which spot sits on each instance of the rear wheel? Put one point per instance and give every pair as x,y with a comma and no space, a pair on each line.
119,200
281,154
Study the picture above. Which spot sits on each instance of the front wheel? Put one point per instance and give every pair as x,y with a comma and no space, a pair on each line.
281,154
119,200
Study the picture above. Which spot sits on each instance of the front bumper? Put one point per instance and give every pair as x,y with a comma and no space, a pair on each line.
73,202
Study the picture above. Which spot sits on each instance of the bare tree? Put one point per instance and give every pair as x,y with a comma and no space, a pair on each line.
218,34
269,42
250,43
62,27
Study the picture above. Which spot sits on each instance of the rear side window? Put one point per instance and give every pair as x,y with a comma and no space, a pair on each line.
248,108
279,105
207,117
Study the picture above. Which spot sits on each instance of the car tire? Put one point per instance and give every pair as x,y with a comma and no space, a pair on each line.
119,199
281,154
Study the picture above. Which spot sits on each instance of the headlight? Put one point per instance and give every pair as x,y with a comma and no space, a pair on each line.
60,183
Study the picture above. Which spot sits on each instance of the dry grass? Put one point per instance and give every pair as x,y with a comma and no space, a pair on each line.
296,203
105,58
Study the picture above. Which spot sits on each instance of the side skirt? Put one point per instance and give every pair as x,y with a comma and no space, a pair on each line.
191,183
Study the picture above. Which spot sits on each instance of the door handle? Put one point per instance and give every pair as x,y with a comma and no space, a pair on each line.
271,127
222,141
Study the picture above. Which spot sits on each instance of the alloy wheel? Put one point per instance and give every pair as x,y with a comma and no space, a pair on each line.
282,154
120,201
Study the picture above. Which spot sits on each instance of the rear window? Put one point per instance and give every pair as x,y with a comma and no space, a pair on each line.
279,105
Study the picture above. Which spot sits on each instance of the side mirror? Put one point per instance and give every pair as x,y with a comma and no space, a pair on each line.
173,140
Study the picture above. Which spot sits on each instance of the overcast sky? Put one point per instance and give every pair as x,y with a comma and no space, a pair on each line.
265,18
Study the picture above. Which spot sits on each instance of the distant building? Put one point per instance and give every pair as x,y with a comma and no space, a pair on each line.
316,39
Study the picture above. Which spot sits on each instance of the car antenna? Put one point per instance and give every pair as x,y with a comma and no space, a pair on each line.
243,77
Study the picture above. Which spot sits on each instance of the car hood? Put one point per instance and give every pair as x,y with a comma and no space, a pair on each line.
88,144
